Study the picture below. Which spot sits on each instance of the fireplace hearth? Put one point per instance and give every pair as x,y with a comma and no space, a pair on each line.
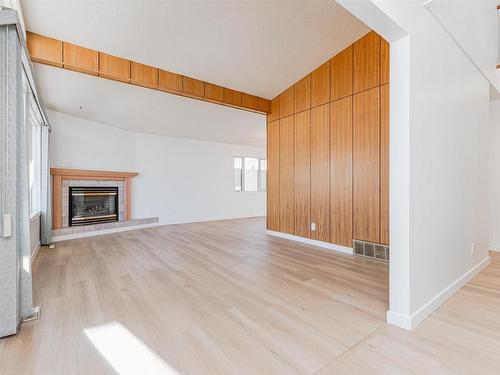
92,205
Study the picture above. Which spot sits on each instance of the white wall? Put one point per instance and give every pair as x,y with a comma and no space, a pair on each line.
440,133
82,144
481,45
34,233
494,238
180,180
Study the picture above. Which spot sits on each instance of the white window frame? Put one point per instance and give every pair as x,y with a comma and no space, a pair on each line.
259,190
259,178
241,173
34,154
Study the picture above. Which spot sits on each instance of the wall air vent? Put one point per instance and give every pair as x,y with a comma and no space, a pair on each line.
371,250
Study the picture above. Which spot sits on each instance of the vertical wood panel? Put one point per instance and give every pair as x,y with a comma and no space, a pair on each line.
320,85
194,87
232,97
80,59
302,94
302,173
384,61
367,62
273,176
366,177
287,102
286,175
384,164
341,171
275,110
113,67
249,101
320,172
214,92
263,105
143,75
342,74
169,82
43,49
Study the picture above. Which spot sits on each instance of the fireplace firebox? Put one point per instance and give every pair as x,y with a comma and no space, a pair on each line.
92,205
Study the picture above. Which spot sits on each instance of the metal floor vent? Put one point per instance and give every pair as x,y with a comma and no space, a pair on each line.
37,312
371,250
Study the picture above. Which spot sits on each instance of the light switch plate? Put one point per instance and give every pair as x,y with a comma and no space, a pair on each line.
7,225
313,226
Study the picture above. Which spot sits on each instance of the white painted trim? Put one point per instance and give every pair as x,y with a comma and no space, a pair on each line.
494,248
101,232
326,245
400,320
35,252
412,321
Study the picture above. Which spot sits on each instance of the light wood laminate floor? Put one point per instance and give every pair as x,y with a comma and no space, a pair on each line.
223,297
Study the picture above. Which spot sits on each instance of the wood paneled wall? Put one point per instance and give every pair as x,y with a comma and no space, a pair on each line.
341,171
366,165
273,171
320,181
302,172
286,175
328,149
65,55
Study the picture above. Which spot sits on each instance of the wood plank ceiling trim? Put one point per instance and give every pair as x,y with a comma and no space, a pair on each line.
54,52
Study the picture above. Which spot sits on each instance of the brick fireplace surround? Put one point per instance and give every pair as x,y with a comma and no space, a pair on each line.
63,178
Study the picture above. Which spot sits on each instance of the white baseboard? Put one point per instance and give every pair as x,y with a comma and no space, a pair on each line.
400,320
101,232
410,322
326,245
35,252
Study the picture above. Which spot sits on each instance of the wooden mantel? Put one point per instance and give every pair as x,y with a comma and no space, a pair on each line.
60,174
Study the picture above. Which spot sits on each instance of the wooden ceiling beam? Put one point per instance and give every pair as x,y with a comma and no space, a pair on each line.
50,51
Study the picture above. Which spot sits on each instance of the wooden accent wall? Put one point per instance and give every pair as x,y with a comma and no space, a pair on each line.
341,171
320,171
328,149
366,165
286,156
384,164
273,176
302,172
66,55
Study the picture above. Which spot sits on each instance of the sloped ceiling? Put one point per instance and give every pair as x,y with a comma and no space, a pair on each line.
260,47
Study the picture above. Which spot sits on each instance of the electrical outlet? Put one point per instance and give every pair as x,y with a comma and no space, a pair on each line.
472,249
7,225
313,226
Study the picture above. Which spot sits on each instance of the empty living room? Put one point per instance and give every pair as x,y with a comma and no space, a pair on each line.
249,187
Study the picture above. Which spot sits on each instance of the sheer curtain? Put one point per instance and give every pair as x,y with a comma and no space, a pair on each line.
45,193
16,300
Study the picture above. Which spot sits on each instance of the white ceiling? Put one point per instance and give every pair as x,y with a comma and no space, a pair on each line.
147,111
260,47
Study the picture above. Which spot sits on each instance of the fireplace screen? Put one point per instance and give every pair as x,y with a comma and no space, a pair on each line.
92,205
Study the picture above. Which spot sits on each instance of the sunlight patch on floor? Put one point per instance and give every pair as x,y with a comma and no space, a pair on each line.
125,352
